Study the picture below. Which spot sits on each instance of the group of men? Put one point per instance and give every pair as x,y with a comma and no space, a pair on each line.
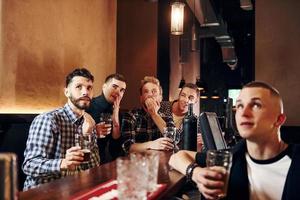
263,167
51,151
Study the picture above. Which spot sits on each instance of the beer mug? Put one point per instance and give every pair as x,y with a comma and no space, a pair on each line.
172,133
106,120
84,141
220,160
169,132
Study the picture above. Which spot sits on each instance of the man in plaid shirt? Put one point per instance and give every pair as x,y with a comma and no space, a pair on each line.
50,151
142,128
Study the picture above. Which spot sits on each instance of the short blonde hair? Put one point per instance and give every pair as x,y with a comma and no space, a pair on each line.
150,79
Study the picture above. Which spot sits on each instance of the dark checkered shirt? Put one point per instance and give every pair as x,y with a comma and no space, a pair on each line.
50,135
137,127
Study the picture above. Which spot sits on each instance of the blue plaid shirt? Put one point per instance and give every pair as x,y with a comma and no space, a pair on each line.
50,135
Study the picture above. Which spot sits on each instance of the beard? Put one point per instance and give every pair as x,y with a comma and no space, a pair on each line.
79,104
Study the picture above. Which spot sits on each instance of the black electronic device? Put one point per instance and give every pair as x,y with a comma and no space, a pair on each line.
211,131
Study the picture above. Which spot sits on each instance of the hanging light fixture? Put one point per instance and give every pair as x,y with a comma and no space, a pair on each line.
215,95
177,18
203,94
200,84
194,39
246,5
182,81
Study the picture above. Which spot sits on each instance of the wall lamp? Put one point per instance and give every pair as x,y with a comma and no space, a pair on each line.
177,18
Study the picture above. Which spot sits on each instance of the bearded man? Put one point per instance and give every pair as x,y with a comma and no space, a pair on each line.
51,151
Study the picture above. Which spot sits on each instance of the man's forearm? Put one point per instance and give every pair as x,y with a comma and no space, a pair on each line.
37,167
116,133
140,147
159,122
181,160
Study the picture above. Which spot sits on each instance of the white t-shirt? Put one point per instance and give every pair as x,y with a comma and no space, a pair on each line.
267,177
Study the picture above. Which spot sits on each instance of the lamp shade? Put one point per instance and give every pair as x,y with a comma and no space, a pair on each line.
203,94
215,95
194,40
200,84
177,18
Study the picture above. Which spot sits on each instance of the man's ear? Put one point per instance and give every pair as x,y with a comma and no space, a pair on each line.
104,86
280,120
66,91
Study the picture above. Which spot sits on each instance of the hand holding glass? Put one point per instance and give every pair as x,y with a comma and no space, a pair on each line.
169,132
104,127
84,141
220,160
172,133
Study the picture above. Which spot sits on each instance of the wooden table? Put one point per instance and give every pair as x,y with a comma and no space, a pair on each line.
66,187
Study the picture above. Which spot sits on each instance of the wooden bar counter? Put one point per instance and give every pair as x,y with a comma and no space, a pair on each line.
66,187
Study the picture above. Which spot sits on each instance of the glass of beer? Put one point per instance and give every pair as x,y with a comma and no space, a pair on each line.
169,132
221,161
86,147
106,119
172,133
84,141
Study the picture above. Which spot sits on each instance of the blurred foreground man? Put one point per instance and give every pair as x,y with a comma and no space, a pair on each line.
50,151
263,167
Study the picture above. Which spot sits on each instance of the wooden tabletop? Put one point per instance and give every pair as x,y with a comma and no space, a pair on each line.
66,187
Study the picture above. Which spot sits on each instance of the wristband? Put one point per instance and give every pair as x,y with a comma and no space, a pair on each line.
126,146
190,170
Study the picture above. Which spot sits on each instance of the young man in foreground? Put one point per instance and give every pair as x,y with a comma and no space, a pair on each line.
263,166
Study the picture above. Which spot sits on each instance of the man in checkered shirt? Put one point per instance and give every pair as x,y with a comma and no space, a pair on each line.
50,151
142,128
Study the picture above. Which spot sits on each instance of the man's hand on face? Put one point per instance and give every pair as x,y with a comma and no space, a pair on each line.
88,124
74,157
152,106
117,102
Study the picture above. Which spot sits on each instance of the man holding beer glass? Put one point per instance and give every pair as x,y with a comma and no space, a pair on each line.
51,150
105,111
263,166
